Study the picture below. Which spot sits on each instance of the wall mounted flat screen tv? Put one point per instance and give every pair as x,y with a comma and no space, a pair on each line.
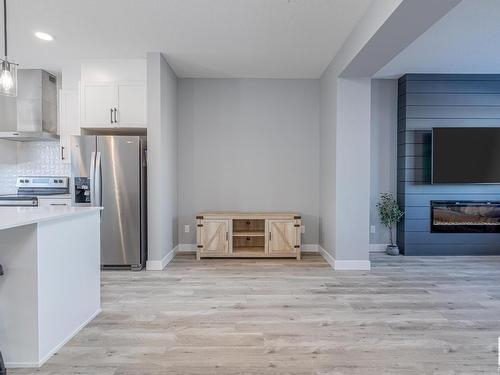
466,155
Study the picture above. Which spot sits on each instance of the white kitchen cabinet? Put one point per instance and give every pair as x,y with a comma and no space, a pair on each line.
51,289
96,104
69,120
131,104
50,202
113,104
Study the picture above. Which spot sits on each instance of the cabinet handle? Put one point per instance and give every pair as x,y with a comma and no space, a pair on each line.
116,121
111,114
62,152
227,236
58,204
270,236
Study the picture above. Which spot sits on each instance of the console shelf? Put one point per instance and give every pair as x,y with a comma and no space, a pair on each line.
249,249
248,235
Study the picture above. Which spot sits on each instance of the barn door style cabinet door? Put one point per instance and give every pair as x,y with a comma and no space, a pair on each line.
248,235
284,238
119,104
214,237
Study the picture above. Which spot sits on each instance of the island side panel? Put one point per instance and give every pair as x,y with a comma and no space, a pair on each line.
68,278
18,297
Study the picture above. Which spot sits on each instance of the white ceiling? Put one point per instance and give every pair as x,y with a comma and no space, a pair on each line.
466,40
200,38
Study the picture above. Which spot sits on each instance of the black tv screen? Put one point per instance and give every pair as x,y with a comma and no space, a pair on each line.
466,155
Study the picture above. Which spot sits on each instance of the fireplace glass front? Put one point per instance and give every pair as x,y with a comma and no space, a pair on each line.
465,216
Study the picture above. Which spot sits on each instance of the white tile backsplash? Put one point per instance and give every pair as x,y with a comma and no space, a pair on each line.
33,159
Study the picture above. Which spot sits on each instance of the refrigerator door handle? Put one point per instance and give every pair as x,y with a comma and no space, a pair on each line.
92,179
98,180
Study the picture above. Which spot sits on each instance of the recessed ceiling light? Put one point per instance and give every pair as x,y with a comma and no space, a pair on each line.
44,36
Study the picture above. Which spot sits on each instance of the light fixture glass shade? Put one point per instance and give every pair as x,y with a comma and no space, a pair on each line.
8,78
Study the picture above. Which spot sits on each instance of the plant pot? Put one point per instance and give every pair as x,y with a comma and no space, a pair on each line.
392,250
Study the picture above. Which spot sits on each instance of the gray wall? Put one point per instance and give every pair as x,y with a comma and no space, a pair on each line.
441,100
345,167
162,159
248,144
352,178
383,151
328,160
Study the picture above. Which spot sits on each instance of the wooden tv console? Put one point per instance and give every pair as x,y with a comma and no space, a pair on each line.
248,235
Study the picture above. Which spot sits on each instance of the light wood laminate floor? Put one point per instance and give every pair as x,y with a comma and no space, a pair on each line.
409,315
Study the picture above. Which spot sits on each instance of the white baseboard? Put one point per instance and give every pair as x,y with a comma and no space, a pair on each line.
327,256
352,265
186,248
310,248
340,265
54,350
159,265
10,365
378,247
345,265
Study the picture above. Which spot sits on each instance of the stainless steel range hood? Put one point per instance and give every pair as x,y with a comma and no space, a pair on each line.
32,116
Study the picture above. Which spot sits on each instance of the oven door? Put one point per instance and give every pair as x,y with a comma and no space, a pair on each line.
18,201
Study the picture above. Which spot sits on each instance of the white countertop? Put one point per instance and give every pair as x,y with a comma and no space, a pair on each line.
54,196
11,217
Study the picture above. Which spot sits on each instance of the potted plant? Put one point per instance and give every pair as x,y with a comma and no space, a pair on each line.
390,214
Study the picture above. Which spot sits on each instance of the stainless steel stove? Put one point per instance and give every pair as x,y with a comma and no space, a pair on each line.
30,187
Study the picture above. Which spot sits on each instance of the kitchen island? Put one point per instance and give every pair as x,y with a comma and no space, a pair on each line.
51,284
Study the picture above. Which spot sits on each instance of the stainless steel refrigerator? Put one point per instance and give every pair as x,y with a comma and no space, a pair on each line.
110,171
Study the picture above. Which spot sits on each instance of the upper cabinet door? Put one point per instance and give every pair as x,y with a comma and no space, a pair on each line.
69,113
282,236
215,237
131,104
69,120
96,104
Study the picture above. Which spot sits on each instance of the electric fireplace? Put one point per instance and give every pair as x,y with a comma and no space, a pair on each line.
465,217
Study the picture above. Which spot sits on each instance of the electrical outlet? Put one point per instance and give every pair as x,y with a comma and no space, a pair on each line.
186,228
303,229
372,229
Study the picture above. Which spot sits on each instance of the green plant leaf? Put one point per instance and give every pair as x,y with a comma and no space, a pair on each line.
388,210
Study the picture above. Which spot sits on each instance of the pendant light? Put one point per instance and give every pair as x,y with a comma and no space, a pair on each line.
8,69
